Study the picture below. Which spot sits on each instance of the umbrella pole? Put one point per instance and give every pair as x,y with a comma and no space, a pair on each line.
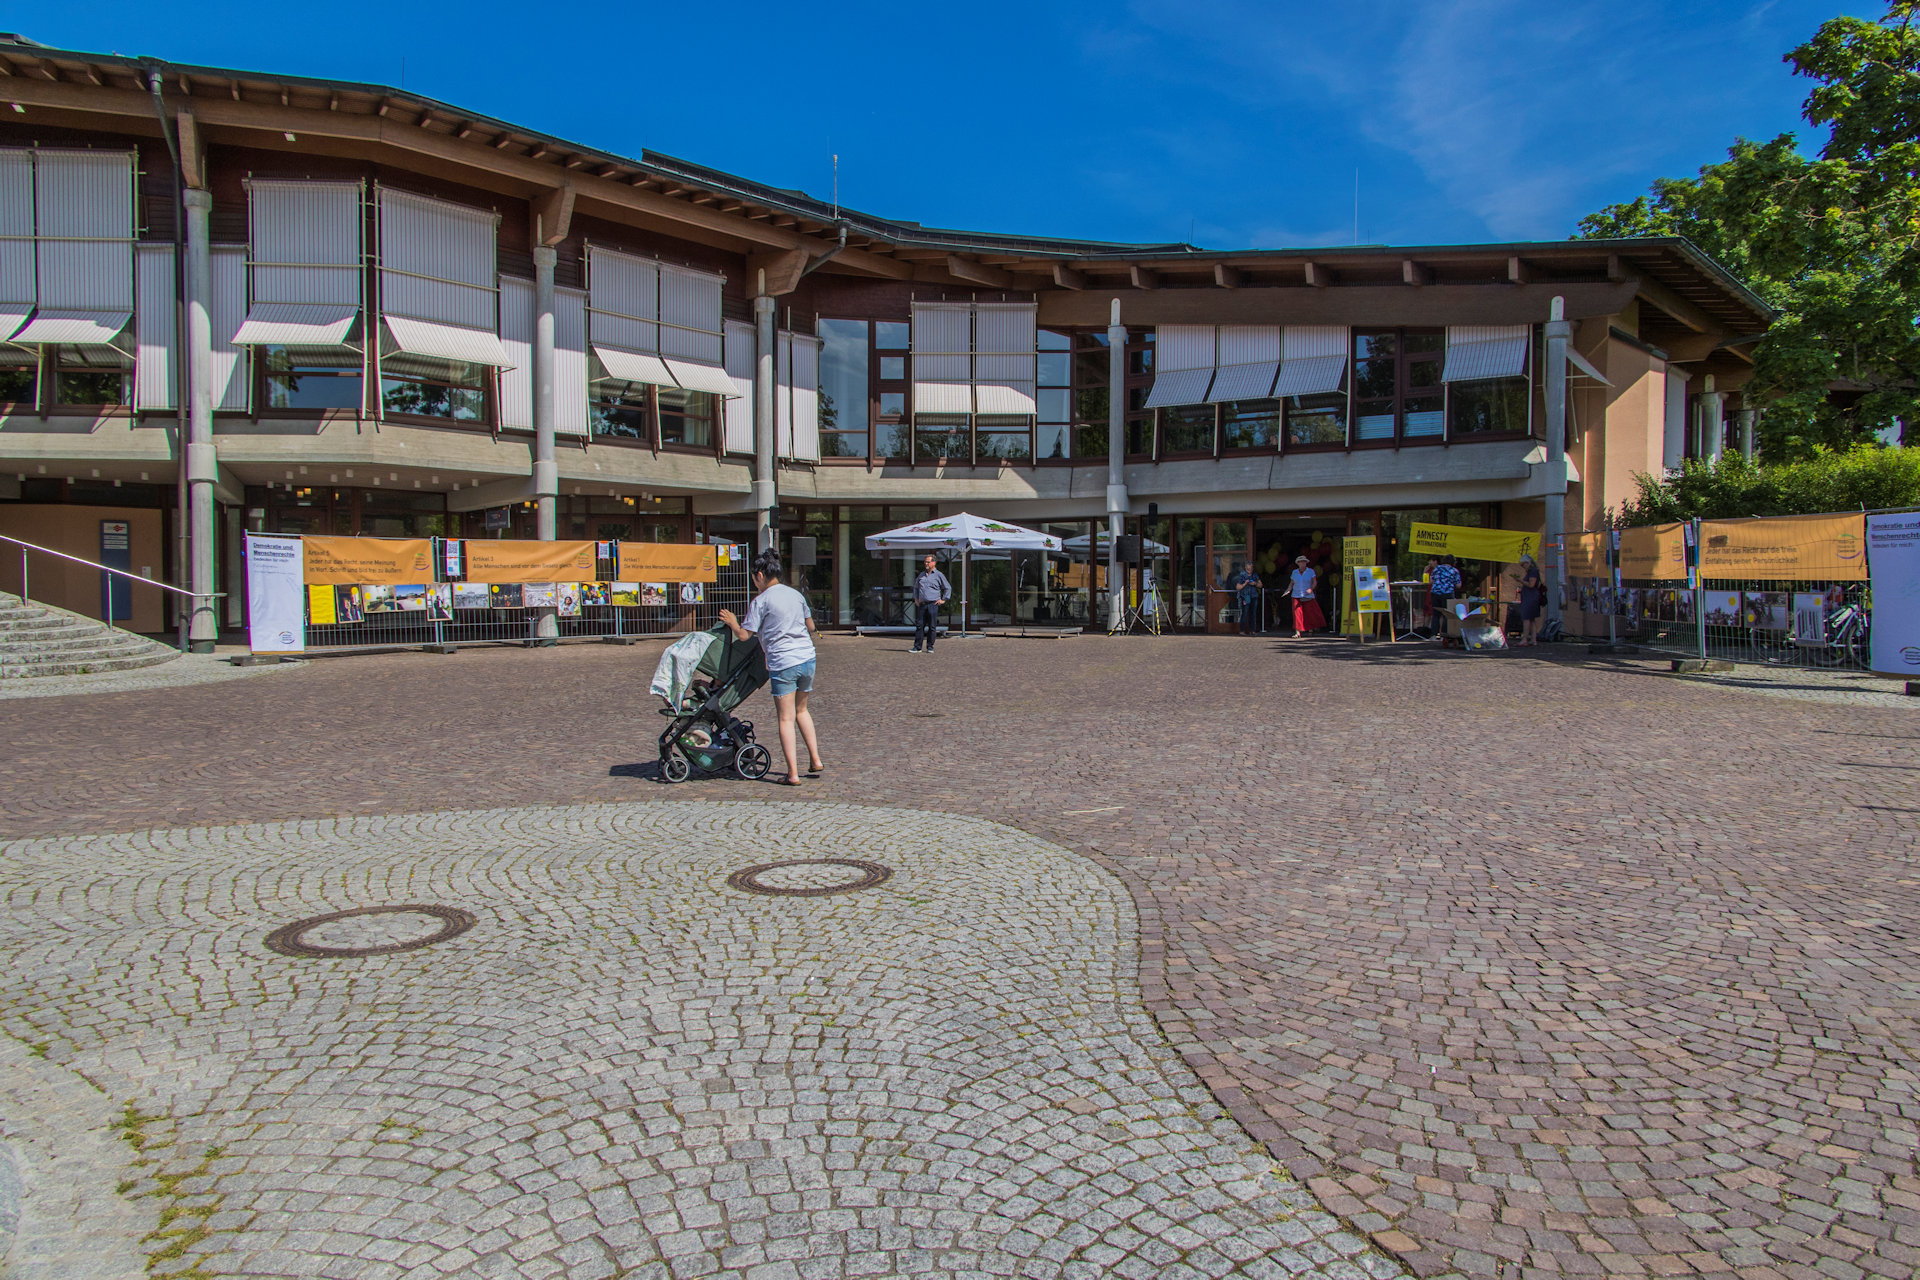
966,557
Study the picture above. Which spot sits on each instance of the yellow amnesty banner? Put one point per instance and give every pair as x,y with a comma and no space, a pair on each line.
1587,555
523,560
1470,543
368,561
1786,548
667,562
1655,552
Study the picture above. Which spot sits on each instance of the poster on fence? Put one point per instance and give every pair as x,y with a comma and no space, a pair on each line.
528,561
276,595
1785,548
1893,542
386,561
1654,553
471,595
1810,619
322,611
673,561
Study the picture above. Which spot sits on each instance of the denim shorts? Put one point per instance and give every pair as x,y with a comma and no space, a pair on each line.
788,679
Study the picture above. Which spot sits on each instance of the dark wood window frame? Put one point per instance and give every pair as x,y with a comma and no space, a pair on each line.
1403,388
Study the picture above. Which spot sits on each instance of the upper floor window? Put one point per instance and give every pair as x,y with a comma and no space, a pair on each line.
1249,424
686,417
432,387
19,375
1054,397
1317,419
1186,429
620,410
1092,383
845,387
1397,390
310,377
92,375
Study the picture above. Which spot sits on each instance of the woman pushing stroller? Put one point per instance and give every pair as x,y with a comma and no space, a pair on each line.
779,616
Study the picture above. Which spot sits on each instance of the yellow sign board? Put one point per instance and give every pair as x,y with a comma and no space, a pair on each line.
1374,589
668,562
322,608
1587,555
1354,552
1655,553
524,560
368,561
1470,543
1786,548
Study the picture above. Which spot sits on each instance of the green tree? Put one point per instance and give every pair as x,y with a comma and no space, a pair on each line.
1826,480
1832,242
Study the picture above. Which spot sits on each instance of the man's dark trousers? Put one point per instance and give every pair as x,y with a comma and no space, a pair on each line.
926,619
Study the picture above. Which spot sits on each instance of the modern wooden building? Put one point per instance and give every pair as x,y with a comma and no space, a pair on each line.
231,300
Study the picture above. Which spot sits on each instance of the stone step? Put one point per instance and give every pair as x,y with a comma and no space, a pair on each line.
9,669
32,628
76,640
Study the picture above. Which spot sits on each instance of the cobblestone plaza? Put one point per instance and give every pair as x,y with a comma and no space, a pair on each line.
1192,957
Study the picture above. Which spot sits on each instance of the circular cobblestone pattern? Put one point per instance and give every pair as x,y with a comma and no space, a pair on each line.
810,877
369,931
628,1074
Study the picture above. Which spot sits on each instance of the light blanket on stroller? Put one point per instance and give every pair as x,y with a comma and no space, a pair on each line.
678,665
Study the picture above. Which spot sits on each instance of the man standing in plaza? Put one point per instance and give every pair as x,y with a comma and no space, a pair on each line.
930,590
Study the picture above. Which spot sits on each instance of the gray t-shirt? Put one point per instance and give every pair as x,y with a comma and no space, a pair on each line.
778,616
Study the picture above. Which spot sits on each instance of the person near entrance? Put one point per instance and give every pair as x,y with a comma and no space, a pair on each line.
930,591
1441,589
780,617
1533,599
1306,609
1247,587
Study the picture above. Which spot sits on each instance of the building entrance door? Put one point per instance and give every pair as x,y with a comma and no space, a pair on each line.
1228,550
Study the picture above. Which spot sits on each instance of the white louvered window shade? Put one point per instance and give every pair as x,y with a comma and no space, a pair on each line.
801,387
741,358
1183,363
783,394
690,327
569,362
516,335
438,279
17,288
153,327
83,269
1477,351
1313,359
517,321
232,372
1004,357
304,283
623,316
942,357
1247,360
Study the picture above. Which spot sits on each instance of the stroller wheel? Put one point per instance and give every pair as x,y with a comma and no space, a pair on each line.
753,762
676,767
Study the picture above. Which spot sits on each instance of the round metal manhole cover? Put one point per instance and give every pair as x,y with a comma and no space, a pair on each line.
370,931
810,877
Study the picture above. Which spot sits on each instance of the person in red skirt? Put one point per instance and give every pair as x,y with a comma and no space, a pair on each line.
1306,610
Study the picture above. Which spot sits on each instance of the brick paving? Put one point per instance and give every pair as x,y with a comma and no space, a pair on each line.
1525,967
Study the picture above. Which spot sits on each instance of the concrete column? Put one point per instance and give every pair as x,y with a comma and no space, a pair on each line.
1674,440
765,494
203,627
843,569
1553,553
1713,430
1116,466
546,472
1745,417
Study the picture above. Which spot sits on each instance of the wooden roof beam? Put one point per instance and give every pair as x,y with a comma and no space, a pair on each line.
553,214
1319,274
1143,277
1066,277
1664,298
1414,273
1520,271
1227,277
978,273
193,153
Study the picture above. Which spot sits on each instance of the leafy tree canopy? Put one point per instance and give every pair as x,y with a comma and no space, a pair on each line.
1832,242
1866,475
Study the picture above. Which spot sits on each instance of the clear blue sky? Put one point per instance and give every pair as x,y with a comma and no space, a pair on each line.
1228,122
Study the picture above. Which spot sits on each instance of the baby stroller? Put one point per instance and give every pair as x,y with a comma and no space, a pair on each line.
703,677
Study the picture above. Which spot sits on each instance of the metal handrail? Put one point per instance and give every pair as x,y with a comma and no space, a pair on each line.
30,546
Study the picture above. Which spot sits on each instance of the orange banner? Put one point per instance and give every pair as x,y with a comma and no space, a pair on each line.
667,562
1587,555
1786,548
521,560
368,561
1654,553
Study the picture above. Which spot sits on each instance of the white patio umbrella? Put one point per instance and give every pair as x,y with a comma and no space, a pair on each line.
1147,546
963,533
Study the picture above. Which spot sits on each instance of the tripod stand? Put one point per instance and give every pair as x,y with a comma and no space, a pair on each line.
1146,614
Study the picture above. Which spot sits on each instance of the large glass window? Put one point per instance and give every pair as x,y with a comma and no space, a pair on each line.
1250,424
430,387
843,388
1397,390
1092,395
1488,406
92,375
892,437
619,410
1054,422
942,435
1186,428
19,375
309,377
686,417
1317,419
1002,437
